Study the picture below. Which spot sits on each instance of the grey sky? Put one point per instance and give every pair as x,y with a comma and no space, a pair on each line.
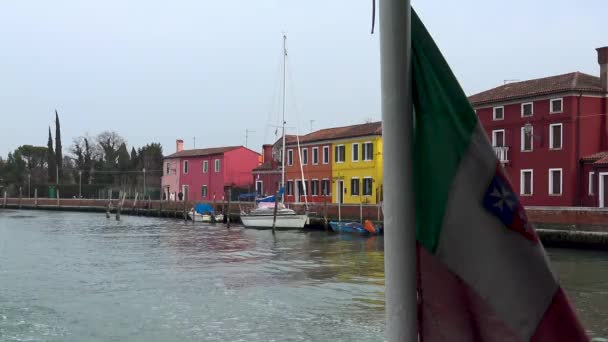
155,71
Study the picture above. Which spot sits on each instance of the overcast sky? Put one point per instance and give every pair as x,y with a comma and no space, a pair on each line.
156,71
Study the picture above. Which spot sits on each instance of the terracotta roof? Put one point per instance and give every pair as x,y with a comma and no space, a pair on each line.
603,161
574,81
372,128
202,152
595,157
266,166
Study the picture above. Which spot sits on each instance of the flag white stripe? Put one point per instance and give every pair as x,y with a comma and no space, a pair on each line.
506,270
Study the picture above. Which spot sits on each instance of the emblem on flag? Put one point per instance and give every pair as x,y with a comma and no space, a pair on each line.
502,202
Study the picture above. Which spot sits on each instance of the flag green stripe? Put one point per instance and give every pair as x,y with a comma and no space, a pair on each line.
443,124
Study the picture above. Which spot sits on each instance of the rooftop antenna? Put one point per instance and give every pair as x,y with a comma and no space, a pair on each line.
193,142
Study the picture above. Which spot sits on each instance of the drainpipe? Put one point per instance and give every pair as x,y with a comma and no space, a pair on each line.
578,201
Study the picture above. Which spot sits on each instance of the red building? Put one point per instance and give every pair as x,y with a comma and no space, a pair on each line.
267,176
203,174
315,161
551,135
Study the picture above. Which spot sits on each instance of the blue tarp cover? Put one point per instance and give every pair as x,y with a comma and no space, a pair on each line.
203,208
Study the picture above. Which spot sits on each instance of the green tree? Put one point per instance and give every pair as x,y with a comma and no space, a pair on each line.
51,165
58,149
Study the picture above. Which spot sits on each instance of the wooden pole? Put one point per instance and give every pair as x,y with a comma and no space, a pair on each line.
108,209
228,211
20,195
339,210
160,207
274,212
4,199
36,197
118,207
185,214
325,223
58,198
360,210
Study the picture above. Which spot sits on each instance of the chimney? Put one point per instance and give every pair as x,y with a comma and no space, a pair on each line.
266,153
602,59
179,145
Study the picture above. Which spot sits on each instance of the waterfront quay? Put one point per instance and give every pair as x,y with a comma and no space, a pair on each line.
572,227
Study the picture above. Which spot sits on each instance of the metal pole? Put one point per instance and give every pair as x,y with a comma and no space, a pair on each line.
29,192
283,156
57,174
400,240
79,183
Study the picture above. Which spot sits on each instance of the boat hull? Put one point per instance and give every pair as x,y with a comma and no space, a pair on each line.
352,228
283,221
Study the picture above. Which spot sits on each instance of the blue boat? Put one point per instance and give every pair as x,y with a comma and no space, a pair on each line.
355,228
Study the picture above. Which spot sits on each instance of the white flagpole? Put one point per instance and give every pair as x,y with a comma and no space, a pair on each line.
399,219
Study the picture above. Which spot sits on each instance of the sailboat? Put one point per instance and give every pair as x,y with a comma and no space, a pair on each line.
262,216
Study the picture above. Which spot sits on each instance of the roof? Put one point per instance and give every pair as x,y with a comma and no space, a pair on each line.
353,131
574,81
200,152
599,158
266,166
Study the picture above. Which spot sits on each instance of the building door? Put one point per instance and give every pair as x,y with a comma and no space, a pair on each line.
603,188
340,191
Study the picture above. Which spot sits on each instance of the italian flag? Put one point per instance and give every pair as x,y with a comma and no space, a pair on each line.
483,275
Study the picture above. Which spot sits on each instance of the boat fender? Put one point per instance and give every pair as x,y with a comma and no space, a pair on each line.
369,226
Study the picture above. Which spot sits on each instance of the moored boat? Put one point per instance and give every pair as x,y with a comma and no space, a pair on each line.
366,228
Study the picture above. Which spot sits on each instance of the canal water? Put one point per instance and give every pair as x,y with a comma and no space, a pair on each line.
82,277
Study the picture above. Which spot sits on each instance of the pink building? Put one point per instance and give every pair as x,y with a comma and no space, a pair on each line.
203,174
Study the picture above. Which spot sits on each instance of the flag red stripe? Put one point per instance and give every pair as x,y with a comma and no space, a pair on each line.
560,322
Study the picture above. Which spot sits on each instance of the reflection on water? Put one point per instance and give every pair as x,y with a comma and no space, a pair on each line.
81,277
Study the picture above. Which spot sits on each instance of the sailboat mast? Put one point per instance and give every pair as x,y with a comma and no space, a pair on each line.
283,154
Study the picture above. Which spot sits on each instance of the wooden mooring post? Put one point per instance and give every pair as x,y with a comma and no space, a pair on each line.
58,197
36,197
108,209
4,204
228,211
325,223
20,195
185,214
135,204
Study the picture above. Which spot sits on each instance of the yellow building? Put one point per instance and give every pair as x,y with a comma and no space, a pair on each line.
357,165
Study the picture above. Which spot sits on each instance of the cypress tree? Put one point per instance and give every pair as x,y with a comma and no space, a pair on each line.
58,151
51,159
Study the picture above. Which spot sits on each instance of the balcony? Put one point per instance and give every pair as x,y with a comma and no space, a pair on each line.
502,153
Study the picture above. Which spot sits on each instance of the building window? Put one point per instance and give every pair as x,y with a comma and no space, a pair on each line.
354,186
367,186
498,138
527,109
591,183
304,156
325,187
499,113
259,187
185,167
217,165
315,155
204,191
555,136
205,166
557,106
290,188
526,139
355,152
525,182
325,154
301,187
368,151
314,187
340,153
168,168
289,157
555,182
